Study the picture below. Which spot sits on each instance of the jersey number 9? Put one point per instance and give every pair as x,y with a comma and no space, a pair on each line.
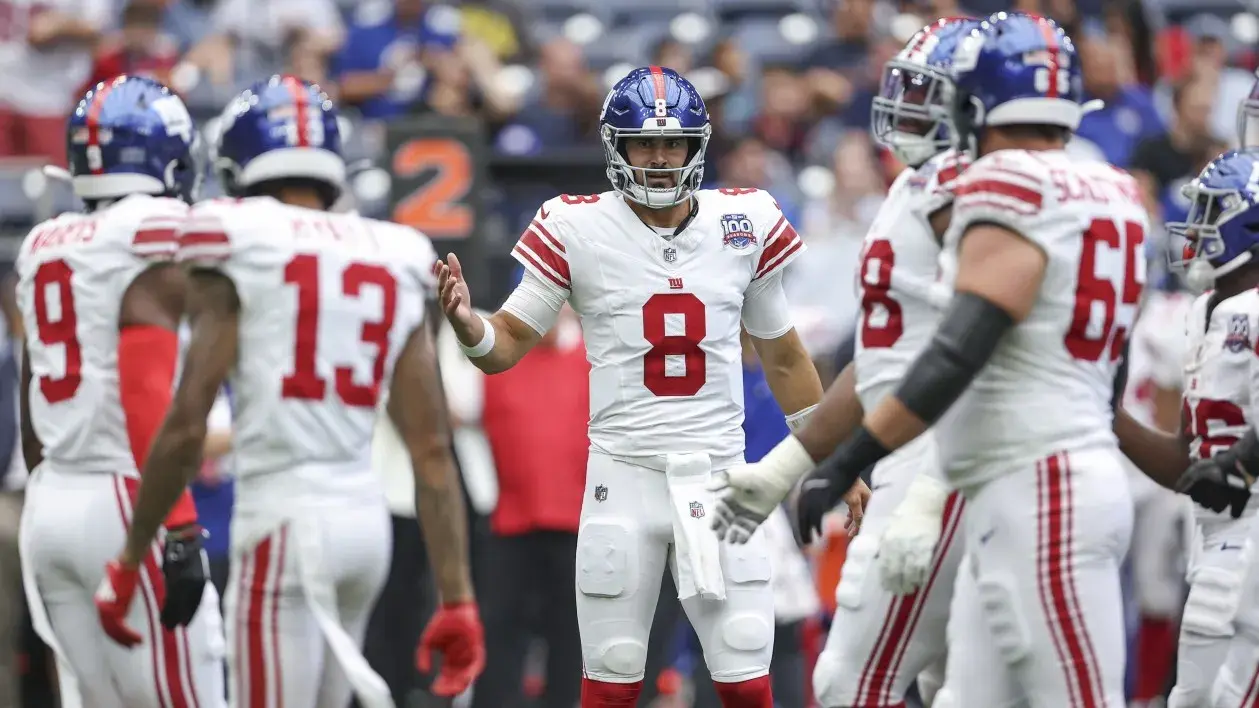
59,330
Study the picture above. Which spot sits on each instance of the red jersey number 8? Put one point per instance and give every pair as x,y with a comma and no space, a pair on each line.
882,321
686,345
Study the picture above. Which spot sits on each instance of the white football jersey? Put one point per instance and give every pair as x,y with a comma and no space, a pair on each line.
327,302
1156,352
72,274
1221,373
1048,386
660,316
901,293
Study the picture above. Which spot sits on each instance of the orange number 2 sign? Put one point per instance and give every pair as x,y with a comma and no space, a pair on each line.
434,207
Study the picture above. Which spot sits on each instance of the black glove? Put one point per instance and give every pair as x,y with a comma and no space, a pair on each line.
185,569
1218,483
824,487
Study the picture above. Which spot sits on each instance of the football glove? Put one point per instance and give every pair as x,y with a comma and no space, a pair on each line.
113,601
185,569
907,547
1222,481
455,631
747,494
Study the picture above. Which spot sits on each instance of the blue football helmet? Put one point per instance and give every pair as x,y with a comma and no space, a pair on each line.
1248,118
281,128
655,102
131,135
910,115
1221,232
1014,69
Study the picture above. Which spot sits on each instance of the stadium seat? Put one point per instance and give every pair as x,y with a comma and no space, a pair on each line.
762,39
556,11
622,13
631,44
742,10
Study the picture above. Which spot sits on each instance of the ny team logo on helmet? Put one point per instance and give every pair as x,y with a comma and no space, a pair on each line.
1015,68
131,135
281,128
1248,118
654,102
1221,232
910,115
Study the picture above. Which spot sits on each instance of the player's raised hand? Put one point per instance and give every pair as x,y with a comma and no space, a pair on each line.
452,291
455,631
113,600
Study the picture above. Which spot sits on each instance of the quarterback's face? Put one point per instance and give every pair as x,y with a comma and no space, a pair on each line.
656,153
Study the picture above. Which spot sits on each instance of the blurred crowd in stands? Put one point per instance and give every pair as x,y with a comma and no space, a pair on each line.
789,84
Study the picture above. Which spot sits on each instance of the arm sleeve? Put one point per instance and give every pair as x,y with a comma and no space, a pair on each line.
536,302
782,244
542,252
1008,188
766,314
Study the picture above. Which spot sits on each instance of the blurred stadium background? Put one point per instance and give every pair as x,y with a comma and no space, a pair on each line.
462,117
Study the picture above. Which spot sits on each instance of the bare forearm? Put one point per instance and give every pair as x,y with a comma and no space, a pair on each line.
171,465
795,384
835,419
507,351
1160,456
440,510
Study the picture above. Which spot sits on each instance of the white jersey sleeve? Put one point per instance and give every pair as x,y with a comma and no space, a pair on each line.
766,313
541,249
782,244
1012,188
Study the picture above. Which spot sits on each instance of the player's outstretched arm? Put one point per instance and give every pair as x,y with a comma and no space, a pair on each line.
495,343
32,448
1161,456
417,408
175,455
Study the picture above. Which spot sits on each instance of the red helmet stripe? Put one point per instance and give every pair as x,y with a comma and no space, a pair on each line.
300,103
94,118
1051,46
657,78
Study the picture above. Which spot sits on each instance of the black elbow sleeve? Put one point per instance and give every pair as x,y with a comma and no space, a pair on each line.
966,338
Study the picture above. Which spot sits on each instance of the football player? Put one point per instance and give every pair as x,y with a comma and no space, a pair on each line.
102,302
1044,254
309,313
663,274
1221,381
881,640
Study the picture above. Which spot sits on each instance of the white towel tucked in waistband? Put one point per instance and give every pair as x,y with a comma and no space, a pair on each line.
695,546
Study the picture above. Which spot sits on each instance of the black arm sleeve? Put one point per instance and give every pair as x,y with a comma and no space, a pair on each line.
1121,378
968,335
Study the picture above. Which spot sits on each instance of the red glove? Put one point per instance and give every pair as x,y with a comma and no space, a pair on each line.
113,600
456,632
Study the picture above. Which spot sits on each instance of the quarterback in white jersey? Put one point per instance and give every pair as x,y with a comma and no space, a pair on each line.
102,303
1044,254
308,314
662,274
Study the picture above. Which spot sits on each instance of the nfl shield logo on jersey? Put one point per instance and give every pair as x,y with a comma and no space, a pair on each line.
1238,339
601,493
697,510
670,255
738,231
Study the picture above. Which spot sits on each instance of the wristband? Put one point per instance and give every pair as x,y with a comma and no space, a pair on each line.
796,420
483,347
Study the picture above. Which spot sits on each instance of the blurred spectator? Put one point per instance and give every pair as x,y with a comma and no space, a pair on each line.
1213,45
748,163
250,38
384,66
672,54
783,120
561,109
834,227
138,47
188,21
1164,163
852,24
1128,116
535,417
493,23
45,57
738,104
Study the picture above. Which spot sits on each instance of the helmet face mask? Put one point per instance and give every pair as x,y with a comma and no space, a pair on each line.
656,105
1221,231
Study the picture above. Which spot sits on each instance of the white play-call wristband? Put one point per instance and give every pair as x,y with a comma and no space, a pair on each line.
483,347
796,420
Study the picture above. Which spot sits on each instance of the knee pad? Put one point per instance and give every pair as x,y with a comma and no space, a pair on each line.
605,554
620,657
929,683
748,624
857,564
944,699
1214,597
1004,614
746,631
